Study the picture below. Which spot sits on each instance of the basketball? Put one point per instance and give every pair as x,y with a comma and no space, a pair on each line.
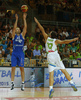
24,8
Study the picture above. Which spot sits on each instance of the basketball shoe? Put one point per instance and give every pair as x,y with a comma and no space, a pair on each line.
74,87
12,86
51,93
22,86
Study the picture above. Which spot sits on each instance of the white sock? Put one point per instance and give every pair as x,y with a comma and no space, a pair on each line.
51,87
71,82
22,82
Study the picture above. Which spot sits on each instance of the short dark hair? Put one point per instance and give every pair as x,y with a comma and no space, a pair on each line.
53,34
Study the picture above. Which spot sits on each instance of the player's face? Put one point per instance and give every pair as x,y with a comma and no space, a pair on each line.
18,30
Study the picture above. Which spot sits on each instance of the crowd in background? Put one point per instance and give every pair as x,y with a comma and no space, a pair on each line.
66,9
34,47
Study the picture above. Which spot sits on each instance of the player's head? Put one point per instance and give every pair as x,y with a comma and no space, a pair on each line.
53,34
18,31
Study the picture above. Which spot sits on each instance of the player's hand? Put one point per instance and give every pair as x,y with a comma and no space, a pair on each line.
16,16
76,39
24,15
35,19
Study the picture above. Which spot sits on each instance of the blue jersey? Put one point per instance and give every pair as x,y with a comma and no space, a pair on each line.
18,43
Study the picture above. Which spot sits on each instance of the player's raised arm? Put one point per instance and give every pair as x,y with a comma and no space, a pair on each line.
25,24
15,26
65,41
41,28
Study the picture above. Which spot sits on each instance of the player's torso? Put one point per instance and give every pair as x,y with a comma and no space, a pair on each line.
18,43
50,45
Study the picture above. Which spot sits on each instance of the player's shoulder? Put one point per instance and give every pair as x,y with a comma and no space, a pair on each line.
54,39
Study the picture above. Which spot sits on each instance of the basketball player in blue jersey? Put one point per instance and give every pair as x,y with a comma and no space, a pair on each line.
17,54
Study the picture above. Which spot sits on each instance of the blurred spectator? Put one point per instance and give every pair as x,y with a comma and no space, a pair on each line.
8,42
39,46
0,39
11,47
60,49
60,32
25,46
10,37
44,54
9,56
65,32
8,14
3,29
71,33
29,53
1,59
4,45
2,51
79,49
11,30
66,52
27,41
30,38
2,14
8,27
36,52
73,59
33,43
7,51
73,48
78,55
73,56
6,33
4,37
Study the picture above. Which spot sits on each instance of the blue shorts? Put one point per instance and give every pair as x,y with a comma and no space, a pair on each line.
17,59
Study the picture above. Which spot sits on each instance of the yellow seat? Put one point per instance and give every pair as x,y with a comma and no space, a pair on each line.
32,63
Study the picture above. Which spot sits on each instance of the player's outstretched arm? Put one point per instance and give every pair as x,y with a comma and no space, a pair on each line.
15,26
66,41
25,24
41,28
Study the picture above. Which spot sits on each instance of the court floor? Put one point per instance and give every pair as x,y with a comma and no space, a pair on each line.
39,94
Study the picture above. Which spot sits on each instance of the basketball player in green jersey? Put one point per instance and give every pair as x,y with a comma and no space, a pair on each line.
53,57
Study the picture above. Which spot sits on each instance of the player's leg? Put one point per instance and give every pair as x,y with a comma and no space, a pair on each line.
22,73
51,67
69,79
66,74
51,81
12,77
22,76
13,64
21,65
62,67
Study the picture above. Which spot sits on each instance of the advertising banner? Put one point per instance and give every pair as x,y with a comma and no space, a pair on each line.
60,79
33,77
